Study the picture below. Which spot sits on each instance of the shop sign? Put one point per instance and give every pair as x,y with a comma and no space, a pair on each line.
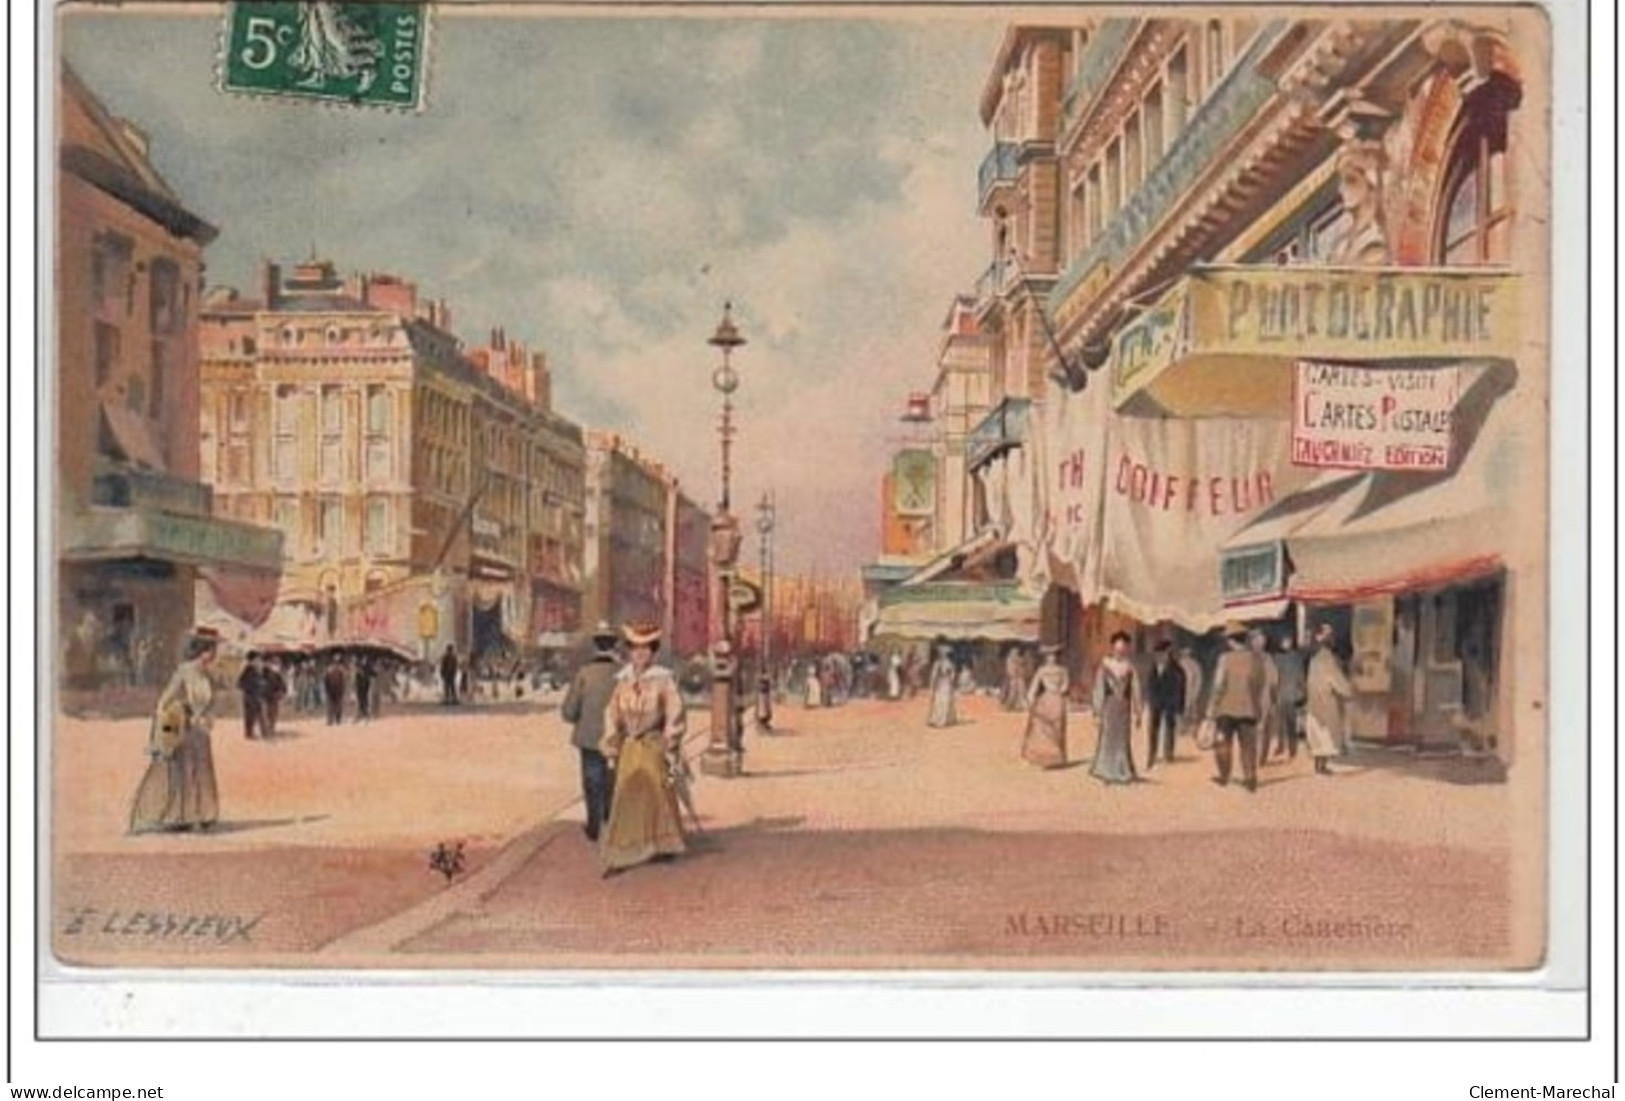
1252,573
1254,316
1150,341
914,483
1355,314
210,540
1370,418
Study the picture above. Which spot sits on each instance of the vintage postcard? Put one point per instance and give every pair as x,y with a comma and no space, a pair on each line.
800,488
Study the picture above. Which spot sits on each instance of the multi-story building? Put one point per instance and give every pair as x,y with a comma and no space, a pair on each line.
960,398
428,494
689,575
135,526
1295,250
646,547
992,372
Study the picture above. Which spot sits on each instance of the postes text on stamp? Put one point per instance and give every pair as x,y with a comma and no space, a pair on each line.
367,54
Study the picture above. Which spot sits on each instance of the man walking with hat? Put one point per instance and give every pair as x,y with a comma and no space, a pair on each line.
1236,706
584,706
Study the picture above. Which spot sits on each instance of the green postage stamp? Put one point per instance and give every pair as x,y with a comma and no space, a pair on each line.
368,54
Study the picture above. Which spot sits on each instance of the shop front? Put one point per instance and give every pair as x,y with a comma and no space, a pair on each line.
1414,564
128,576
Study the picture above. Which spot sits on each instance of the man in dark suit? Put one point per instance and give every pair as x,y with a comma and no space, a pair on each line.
335,682
252,685
1165,700
584,706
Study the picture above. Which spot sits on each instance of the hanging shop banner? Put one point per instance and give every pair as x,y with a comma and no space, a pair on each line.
1175,490
1070,456
1370,418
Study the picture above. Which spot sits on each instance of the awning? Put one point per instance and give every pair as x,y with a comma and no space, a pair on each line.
1351,537
127,431
1223,341
247,595
959,611
113,534
951,559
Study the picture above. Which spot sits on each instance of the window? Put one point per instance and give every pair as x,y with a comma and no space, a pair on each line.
1476,222
379,407
107,352
288,519
331,452
237,410
110,282
330,528
1077,228
249,347
1212,56
160,372
285,444
1324,236
1093,202
287,410
164,298
1133,167
332,410
1153,128
380,534
135,397
1179,91
1114,176
378,403
209,459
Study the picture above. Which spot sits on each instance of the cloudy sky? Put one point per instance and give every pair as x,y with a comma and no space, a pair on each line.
599,186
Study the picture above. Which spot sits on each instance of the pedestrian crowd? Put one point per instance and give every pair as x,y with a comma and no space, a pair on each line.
1260,705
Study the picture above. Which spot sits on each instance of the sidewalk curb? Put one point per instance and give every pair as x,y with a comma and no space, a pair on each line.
384,938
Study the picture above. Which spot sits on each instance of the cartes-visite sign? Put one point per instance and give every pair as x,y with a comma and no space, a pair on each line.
1368,418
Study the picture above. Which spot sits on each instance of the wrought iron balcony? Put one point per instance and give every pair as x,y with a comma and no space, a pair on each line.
999,166
1004,428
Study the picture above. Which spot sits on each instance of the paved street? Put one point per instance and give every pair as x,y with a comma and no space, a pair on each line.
859,837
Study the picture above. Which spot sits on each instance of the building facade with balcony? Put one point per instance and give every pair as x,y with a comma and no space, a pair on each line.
1298,340
427,494
135,527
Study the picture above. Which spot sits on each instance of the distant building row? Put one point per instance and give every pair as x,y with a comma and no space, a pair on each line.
327,456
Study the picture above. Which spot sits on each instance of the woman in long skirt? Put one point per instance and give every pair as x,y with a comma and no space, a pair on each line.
1045,742
643,738
943,675
178,790
1114,699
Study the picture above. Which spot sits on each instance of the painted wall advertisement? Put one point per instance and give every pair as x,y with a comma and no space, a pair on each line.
1371,418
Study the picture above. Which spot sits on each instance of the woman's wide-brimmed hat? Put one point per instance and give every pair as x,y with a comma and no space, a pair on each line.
1051,648
604,632
1235,629
641,633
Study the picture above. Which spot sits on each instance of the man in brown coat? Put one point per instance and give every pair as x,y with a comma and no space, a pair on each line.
1236,705
584,707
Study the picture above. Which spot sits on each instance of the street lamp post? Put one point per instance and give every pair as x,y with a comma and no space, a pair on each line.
764,681
725,753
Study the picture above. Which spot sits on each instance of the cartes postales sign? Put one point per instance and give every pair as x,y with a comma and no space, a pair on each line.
366,54
1366,418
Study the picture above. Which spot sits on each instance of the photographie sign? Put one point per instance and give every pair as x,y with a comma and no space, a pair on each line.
1372,418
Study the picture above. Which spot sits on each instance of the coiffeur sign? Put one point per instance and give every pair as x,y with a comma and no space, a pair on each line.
1365,418
1220,317
1175,490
